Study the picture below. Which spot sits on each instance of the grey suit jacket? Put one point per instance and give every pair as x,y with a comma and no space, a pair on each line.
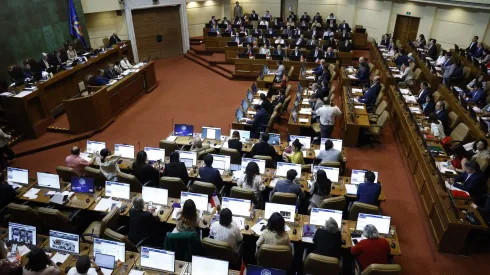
237,11
280,72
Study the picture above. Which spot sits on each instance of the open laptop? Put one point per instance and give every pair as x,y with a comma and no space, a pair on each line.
305,140
332,172
382,223
239,115
82,185
111,248
183,130
22,234
318,217
221,163
337,143
287,211
211,133
283,168
95,146
157,259
357,176
125,150
239,207
207,266
117,190
47,180
64,242
188,158
244,135
17,176
155,195
155,154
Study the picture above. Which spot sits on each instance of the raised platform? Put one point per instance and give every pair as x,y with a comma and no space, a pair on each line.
212,61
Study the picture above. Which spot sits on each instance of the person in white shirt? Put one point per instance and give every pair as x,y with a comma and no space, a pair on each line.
71,53
251,179
329,154
407,74
125,64
263,22
225,230
82,267
436,127
441,59
108,164
279,40
327,114
265,50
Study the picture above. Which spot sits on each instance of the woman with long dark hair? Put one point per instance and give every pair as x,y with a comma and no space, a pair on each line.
187,217
320,189
251,179
144,172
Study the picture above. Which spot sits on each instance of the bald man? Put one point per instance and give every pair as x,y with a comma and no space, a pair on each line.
76,162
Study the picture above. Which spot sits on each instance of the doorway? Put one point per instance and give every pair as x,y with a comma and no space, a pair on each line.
157,32
406,28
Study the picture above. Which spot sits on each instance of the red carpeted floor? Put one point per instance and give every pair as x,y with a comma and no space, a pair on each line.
189,93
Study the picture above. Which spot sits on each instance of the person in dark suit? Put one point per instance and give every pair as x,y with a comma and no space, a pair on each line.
27,70
376,85
236,39
346,46
213,21
115,39
363,72
442,114
318,71
305,17
368,191
369,97
296,52
325,77
428,107
249,39
256,32
424,92
297,31
210,174
329,54
472,181
432,50
300,41
142,223
472,47
293,16
175,168
313,41
479,50
477,95
343,25
331,43
234,142
266,104
279,51
109,72
101,80
248,50
259,122
58,60
385,41
317,53
144,172
254,16
344,35
331,25
7,192
328,240
263,148
44,63
484,209
318,18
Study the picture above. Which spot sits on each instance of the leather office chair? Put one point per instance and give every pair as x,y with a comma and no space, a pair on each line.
334,203
375,130
284,198
382,90
202,153
110,234
97,228
333,76
96,174
453,120
379,98
174,186
23,214
437,96
286,104
411,65
364,208
16,73
206,188
272,121
375,73
371,66
290,72
316,127
220,250
316,264
379,110
460,132
332,97
277,108
169,146
288,89
269,161
56,220
235,157
275,256
134,183
381,269
65,173
335,164
242,193
331,68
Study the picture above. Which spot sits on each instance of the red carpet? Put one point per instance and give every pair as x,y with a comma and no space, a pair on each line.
189,93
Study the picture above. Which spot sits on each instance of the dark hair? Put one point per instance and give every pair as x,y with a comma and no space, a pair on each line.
429,97
104,153
251,171
235,134
484,141
472,165
208,159
140,161
38,260
370,176
433,118
291,174
225,217
366,85
257,107
174,157
263,97
279,62
323,183
328,144
75,150
478,85
189,211
297,144
83,264
276,223
265,137
425,83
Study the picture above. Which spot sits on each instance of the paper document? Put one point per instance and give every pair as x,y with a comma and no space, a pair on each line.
303,120
444,167
15,185
103,204
477,110
23,250
32,193
317,152
85,156
237,174
409,99
310,77
252,112
106,271
352,76
239,222
59,257
415,110
259,227
171,138
468,146
136,272
256,101
359,107
351,189
23,93
356,90
51,193
305,111
405,91
261,92
397,75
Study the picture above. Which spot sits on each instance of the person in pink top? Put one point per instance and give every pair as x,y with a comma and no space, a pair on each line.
76,162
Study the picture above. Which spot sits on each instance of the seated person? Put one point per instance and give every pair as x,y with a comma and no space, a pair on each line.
279,98
477,95
265,50
58,60
7,193
301,41
83,267
197,145
266,104
144,172
248,50
329,53
235,38
329,154
320,189
77,163
251,179
40,264
472,181
296,52
225,230
328,239
289,185
369,191
260,121
280,51
27,70
114,39
480,79
428,107
108,164
117,67
313,41
141,222
317,53
175,168
101,80
318,71
125,64
436,127
275,233
210,174
44,63
109,71
71,53
249,39
346,46
484,209
372,249
296,156
234,142
363,72
369,97
187,218
279,40
263,148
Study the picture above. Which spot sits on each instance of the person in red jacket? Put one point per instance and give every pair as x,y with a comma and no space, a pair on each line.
372,250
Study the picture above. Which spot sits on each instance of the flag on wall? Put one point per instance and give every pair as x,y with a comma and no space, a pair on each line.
75,27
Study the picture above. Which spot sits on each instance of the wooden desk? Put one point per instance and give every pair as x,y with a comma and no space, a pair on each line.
205,216
432,79
352,122
359,40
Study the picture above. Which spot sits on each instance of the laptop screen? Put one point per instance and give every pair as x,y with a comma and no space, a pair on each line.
337,144
48,180
238,207
207,266
244,135
286,211
221,162
239,115
157,259
117,190
332,172
155,154
105,261
274,139
113,248
259,270
283,168
95,146
211,133
126,151
260,163
200,200
382,223
183,130
244,105
306,141
357,176
82,185
155,195
17,175
65,242
188,158
21,233
319,216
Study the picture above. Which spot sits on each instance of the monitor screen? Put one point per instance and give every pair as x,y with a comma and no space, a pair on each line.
113,248
306,141
48,180
211,133
274,139
283,168
21,233
188,158
105,261
382,223
157,259
357,176
250,96
286,211
155,154
221,162
238,207
17,175
183,130
65,242
207,266
260,163
337,144
239,115
155,195
244,105
259,270
117,190
82,185
95,146
244,135
332,172
319,216
200,200
126,151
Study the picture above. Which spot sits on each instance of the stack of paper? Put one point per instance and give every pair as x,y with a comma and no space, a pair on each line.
256,101
85,156
23,93
351,189
352,76
171,138
59,257
106,204
405,91
239,222
304,120
305,111
273,182
356,90
32,193
445,168
310,77
415,110
409,99
259,227
261,92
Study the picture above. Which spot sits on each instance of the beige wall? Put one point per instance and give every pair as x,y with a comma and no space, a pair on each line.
90,6
260,7
199,13
103,24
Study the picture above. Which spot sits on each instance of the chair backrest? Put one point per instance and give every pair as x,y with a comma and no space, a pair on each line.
173,185
290,73
411,65
382,119
65,173
382,269
169,146
278,107
316,264
381,107
284,198
371,66
466,72
235,157
332,97
134,183
375,73
184,244
331,68
359,207
436,96
286,104
54,219
272,120
96,174
269,161
416,73
218,250
23,214
460,132
333,76
334,203
110,234
201,187
288,89
242,193
379,98
335,164
275,256
453,120
202,153
110,220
